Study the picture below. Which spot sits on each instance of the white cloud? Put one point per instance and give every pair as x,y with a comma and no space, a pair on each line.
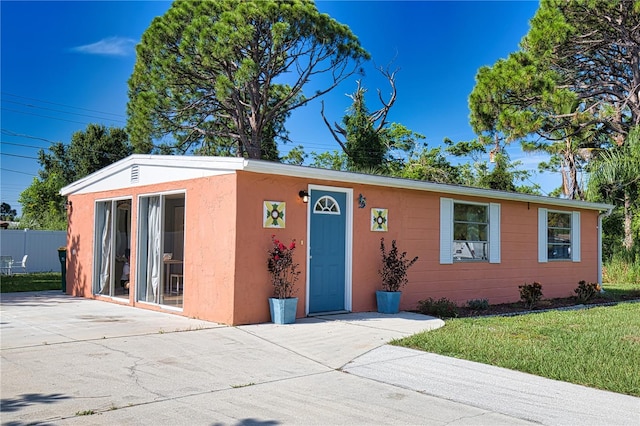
111,46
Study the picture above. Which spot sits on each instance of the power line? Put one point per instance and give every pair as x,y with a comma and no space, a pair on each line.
63,105
20,144
16,155
22,135
64,112
16,171
43,116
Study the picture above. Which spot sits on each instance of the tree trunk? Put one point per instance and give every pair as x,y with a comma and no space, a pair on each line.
628,235
253,146
254,152
576,191
571,185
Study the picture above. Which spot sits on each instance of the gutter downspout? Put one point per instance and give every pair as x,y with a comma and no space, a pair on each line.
600,216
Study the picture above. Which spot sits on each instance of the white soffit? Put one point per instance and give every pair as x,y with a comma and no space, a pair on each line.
152,169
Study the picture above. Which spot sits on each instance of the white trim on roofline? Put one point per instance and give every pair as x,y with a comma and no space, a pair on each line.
167,168
260,166
180,167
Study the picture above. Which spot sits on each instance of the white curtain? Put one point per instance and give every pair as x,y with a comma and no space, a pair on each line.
105,247
154,265
122,231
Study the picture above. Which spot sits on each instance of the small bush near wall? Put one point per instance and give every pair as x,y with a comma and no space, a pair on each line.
586,291
442,308
478,304
530,294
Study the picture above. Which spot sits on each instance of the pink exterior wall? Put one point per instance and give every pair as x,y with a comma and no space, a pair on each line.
253,286
210,211
226,246
80,241
210,235
414,222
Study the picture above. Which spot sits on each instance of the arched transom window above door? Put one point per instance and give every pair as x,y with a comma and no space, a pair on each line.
326,205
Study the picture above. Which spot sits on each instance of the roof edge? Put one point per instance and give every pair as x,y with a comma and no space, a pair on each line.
261,166
232,164
182,161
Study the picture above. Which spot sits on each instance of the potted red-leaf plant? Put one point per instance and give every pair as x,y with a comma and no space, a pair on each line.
394,277
284,274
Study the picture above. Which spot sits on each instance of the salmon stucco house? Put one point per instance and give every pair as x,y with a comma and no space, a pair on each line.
193,235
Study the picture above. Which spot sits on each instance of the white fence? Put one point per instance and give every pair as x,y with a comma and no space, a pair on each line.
41,246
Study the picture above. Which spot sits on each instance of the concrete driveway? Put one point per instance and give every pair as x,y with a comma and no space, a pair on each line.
72,361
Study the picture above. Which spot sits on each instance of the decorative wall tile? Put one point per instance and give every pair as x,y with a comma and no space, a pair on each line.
274,214
379,219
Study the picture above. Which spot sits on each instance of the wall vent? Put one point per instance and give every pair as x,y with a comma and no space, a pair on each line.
135,174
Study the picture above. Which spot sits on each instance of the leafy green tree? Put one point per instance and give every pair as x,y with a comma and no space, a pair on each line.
505,174
368,140
230,70
570,149
593,48
89,151
333,160
42,205
572,83
295,156
7,213
364,146
430,165
499,178
401,145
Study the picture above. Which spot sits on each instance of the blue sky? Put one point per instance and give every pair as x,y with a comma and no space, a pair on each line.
66,64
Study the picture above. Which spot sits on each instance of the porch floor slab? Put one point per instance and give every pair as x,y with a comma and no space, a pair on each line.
68,361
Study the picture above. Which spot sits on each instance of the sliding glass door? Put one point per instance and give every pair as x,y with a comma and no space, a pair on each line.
161,250
112,248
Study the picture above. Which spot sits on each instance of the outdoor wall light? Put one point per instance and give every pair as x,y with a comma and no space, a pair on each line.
304,195
68,204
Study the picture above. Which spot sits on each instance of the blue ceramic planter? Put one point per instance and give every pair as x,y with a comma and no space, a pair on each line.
388,301
283,311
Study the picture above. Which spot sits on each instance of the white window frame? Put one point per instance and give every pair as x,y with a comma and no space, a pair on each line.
446,230
141,259
543,232
323,208
98,240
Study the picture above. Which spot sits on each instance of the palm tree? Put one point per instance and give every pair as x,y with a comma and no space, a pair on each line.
616,175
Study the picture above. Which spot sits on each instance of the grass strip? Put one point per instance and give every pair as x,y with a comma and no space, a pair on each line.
598,347
31,282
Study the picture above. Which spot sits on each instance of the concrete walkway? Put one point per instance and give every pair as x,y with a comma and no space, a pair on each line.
75,361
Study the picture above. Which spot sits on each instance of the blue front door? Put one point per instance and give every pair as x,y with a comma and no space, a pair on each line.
327,249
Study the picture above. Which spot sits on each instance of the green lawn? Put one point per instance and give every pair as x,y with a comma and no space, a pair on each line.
597,347
31,282
618,291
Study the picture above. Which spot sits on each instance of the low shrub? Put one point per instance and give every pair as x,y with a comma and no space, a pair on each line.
442,308
478,304
530,294
586,291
